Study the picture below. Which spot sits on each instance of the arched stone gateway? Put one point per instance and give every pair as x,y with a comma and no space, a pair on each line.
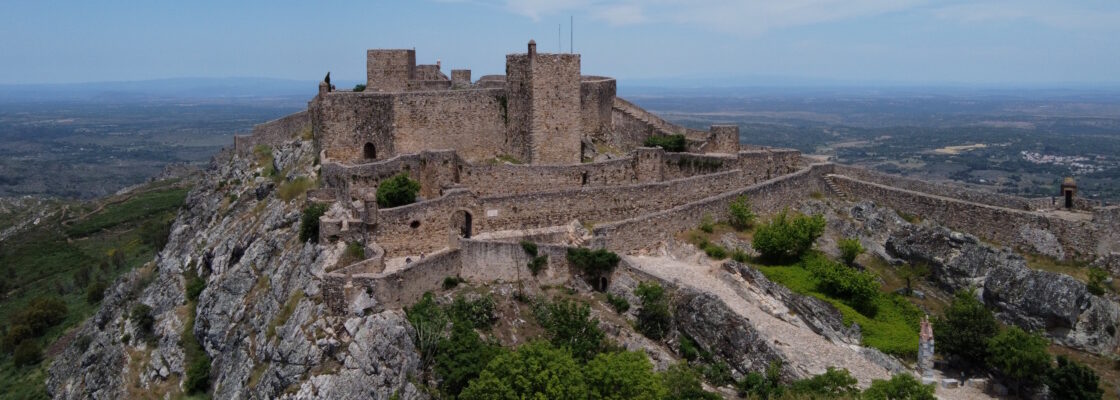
461,226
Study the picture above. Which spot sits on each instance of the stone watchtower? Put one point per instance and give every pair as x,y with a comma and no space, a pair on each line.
389,70
1069,189
543,106
925,348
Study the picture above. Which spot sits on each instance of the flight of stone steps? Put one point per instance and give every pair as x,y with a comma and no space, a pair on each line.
830,181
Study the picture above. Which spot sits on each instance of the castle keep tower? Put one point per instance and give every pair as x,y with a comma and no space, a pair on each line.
389,70
543,106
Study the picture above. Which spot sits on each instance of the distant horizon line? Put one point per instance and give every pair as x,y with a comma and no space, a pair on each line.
672,82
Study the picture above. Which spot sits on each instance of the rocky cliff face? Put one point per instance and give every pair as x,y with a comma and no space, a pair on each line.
261,317
1035,300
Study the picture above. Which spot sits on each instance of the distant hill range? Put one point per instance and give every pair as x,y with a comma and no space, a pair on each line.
148,90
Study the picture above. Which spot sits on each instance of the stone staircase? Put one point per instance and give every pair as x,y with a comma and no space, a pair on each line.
830,181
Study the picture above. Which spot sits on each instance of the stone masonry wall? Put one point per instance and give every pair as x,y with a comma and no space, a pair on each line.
273,132
1077,238
393,290
555,130
505,179
596,97
424,227
506,261
766,197
954,191
345,121
468,121
389,70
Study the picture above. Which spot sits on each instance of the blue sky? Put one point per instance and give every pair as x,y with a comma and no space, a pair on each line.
912,42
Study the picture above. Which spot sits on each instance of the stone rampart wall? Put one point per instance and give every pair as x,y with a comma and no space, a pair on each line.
393,290
273,133
506,261
424,227
596,97
681,165
953,191
1076,237
345,122
766,197
1107,221
599,204
505,179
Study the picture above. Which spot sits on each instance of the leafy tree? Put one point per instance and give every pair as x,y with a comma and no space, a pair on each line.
654,318
309,223
1073,380
850,248
912,272
739,213
899,387
397,191
786,238
570,326
534,371
27,353
359,87
462,356
834,383
671,143
593,262
1019,355
684,384
623,376
428,321
964,329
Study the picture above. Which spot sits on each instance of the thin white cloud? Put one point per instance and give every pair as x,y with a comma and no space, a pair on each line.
620,14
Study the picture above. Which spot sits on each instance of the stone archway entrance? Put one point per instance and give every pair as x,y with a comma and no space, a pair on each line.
369,151
461,224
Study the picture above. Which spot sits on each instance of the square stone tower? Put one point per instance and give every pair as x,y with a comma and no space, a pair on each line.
543,106
389,70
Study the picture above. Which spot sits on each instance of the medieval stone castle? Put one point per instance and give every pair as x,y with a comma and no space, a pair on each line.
547,155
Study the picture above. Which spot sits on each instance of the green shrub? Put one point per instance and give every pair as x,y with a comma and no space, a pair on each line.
683,383
397,191
15,335
618,303
27,353
195,285
1097,277
155,233
294,188
1019,355
715,251
450,282
95,291
834,383
428,321
901,386
142,318
740,256
671,143
654,317
707,224
462,356
479,313
569,326
716,373
763,386
359,87
533,371
538,264
964,329
1073,381
859,288
40,314
689,349
198,376
785,238
623,375
850,248
739,213
309,223
593,262
530,248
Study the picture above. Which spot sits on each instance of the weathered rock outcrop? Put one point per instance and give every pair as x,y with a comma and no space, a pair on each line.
1051,302
818,315
261,318
727,335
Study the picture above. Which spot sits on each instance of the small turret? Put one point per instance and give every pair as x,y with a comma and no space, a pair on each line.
1069,189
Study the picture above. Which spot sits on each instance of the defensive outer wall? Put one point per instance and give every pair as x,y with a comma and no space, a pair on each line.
473,212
